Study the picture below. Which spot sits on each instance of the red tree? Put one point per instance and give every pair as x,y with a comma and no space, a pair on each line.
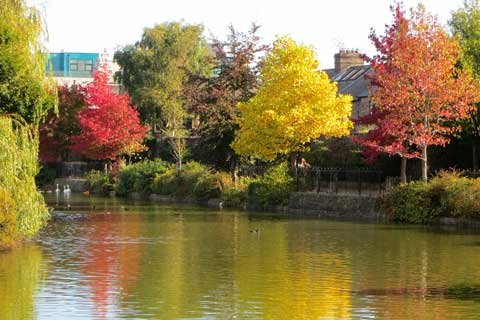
418,93
110,126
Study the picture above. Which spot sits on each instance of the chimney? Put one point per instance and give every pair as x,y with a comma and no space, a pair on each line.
346,58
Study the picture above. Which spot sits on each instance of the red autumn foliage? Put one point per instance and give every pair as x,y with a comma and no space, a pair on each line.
110,126
418,93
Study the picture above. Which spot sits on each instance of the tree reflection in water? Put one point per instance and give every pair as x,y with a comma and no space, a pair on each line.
21,271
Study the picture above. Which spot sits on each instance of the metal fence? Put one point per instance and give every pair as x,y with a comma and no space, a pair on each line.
333,180
340,180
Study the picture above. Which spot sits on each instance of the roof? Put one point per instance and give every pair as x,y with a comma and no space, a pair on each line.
352,80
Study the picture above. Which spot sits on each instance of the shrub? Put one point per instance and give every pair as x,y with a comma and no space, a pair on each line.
409,202
187,177
165,183
193,180
447,194
208,186
139,177
273,188
99,182
236,195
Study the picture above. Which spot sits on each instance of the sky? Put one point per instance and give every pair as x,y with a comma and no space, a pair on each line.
99,25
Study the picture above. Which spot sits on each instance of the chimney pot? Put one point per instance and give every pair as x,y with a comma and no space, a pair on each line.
346,58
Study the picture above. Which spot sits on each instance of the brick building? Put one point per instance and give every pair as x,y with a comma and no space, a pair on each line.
349,73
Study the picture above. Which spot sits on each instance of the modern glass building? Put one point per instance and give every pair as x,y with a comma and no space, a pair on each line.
72,64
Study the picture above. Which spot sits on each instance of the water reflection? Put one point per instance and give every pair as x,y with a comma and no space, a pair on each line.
175,262
21,271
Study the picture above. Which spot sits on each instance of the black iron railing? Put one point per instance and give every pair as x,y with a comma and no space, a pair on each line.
332,180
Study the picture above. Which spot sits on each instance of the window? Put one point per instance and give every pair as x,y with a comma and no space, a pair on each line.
73,65
81,65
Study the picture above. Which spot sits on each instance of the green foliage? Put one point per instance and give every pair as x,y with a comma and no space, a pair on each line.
18,156
187,178
155,69
192,181
24,88
46,175
409,203
236,195
197,182
165,183
99,182
465,25
208,186
447,194
272,189
8,219
138,177
334,152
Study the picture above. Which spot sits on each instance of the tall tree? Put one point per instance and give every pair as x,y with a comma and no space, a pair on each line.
419,94
58,129
24,88
110,126
25,92
295,104
465,24
154,71
214,99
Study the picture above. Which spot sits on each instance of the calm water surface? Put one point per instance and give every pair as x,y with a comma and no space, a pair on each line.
110,259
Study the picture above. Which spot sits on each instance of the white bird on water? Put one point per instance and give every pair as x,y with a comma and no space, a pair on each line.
58,189
66,189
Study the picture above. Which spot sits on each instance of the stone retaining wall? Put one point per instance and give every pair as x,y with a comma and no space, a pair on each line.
333,205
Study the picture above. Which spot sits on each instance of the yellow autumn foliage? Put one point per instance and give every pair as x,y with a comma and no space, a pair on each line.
294,104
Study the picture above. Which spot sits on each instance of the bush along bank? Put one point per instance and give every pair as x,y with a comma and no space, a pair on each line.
194,183
448,195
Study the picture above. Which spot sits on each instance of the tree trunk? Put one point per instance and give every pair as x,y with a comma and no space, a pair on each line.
403,170
424,163
474,155
293,165
234,171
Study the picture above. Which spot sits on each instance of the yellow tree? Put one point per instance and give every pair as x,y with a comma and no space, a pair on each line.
295,104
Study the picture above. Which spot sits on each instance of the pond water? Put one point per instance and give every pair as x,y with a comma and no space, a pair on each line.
110,259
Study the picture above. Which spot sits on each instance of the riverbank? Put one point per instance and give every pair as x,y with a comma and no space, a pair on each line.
448,199
351,207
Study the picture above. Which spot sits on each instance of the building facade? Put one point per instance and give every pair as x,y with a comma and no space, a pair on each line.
350,73
72,67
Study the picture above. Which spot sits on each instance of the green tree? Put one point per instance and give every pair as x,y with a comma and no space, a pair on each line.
465,24
154,71
24,88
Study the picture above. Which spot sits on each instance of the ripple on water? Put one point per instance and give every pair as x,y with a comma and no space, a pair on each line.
178,262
